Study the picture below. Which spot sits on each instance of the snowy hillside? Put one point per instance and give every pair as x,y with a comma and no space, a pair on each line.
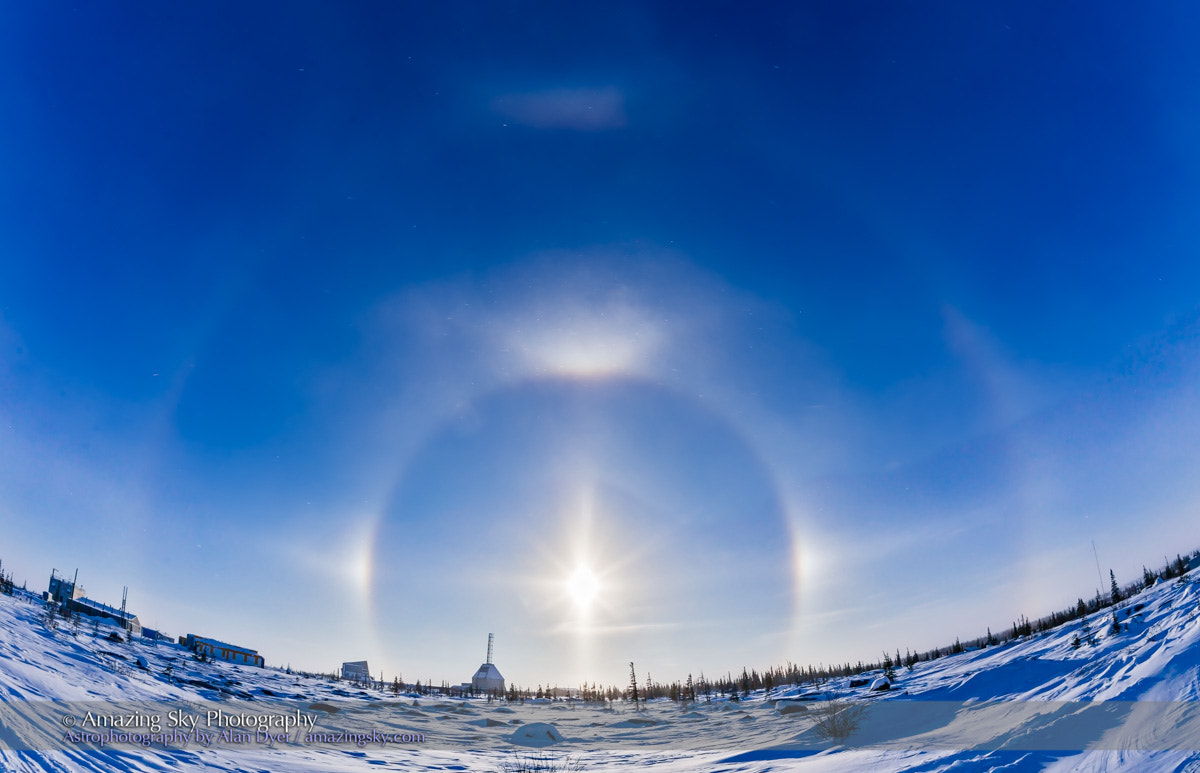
1128,698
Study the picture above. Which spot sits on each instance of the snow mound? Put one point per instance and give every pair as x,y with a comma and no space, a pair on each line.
790,707
488,722
536,734
635,722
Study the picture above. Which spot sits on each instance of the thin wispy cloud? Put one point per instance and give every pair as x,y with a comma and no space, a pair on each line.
581,109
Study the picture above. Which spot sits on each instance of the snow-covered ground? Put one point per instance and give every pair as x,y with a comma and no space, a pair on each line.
1126,702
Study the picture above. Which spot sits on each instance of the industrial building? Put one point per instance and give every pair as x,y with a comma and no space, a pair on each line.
63,590
90,608
487,678
356,671
221,650
70,595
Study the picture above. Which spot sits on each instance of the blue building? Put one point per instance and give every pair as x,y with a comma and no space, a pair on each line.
221,650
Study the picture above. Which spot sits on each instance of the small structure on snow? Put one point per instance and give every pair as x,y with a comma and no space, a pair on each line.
154,635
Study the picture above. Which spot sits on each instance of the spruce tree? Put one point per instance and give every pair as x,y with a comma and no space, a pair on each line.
633,689
1115,589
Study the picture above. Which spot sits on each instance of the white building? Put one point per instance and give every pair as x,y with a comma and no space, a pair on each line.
63,590
487,678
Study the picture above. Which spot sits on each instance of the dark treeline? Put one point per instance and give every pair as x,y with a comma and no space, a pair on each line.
736,686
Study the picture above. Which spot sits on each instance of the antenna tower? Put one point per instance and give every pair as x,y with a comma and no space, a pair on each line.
490,638
1099,574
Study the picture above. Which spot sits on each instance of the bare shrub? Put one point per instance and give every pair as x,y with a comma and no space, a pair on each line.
836,719
542,763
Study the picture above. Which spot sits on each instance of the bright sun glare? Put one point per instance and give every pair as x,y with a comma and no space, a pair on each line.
582,586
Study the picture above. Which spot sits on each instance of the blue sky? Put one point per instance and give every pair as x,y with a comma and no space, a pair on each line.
355,330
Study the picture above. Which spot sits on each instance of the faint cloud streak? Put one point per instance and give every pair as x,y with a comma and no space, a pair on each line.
581,109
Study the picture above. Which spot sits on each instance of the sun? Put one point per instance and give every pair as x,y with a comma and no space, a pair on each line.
582,586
